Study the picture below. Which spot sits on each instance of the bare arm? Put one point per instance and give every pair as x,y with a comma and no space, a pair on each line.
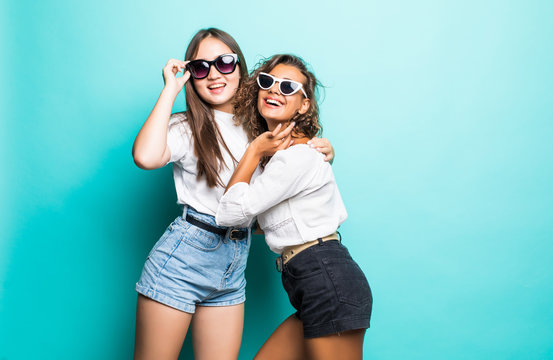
150,149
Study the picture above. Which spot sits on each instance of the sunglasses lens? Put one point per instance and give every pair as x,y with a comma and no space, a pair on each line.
265,81
225,64
199,69
288,87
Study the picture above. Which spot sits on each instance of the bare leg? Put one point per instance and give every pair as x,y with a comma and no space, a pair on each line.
160,330
345,346
217,332
285,343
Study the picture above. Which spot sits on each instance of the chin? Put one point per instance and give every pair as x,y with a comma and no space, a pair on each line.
220,99
279,119
268,117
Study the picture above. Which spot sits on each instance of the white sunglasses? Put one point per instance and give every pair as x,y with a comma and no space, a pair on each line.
287,87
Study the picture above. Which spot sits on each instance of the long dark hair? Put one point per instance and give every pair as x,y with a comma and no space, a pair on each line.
200,117
245,101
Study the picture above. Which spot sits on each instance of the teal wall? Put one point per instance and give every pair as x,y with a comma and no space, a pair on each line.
441,114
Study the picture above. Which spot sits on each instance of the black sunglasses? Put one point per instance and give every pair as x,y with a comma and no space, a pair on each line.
225,64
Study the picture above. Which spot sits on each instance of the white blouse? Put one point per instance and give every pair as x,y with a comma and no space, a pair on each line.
295,199
191,190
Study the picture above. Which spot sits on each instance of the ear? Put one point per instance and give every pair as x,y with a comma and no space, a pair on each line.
304,106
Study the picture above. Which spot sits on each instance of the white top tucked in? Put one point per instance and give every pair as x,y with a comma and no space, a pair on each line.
191,190
295,199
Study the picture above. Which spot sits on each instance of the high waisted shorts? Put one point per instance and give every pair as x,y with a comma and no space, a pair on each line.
191,266
328,290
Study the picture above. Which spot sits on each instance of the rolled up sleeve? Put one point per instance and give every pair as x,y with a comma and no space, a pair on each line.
231,206
178,137
284,176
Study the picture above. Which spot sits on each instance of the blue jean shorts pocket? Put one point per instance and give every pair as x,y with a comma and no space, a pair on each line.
162,240
202,239
167,243
348,279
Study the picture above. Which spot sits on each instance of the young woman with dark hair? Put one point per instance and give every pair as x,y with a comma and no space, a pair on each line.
195,272
295,198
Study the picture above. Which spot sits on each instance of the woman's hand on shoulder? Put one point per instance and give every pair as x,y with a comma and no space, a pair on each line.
268,143
323,145
170,71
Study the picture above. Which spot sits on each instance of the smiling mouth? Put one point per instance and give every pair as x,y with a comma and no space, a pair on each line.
216,86
273,102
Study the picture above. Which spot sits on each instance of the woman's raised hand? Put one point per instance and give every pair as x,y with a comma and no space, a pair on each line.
265,144
270,142
323,145
170,72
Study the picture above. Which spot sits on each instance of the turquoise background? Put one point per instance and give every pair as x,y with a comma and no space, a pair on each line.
441,115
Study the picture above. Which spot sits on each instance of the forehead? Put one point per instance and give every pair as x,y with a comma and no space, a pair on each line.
290,72
210,48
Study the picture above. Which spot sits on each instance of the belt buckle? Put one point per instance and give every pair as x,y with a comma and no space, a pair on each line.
232,233
279,264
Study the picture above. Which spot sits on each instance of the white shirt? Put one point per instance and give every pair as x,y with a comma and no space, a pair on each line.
191,190
295,199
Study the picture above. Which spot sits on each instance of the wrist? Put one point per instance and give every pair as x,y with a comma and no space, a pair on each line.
170,90
254,151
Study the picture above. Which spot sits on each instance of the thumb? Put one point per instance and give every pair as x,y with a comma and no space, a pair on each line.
183,79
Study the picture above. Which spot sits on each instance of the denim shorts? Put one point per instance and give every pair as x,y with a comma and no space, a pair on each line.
328,289
191,266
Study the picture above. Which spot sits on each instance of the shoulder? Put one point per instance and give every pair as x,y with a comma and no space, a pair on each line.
301,156
178,122
300,152
177,118
296,167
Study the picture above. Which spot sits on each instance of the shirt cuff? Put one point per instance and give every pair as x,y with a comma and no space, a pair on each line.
231,207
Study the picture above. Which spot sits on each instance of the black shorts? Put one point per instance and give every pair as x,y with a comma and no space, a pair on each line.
328,290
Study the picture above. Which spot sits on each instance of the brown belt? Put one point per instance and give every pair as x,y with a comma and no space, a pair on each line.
294,250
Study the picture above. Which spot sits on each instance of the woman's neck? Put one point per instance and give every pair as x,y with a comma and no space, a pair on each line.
226,108
273,124
298,138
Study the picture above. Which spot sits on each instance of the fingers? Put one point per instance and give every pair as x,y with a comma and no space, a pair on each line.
286,143
170,71
316,144
186,75
174,66
272,141
322,145
319,142
284,133
184,78
288,129
182,65
283,144
276,130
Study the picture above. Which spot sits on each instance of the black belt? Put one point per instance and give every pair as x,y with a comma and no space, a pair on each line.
234,234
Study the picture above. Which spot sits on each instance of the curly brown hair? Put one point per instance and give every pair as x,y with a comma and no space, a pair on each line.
245,101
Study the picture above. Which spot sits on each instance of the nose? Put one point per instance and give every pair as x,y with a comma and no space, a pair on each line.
275,88
213,72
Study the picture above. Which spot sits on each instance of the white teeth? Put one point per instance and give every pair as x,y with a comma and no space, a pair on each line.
273,102
215,86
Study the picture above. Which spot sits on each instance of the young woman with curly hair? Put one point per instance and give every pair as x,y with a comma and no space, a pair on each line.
195,272
295,198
